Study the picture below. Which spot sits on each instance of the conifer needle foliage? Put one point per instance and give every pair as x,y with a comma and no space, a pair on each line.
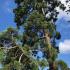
38,18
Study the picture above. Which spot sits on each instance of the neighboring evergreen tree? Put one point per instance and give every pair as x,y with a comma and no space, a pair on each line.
13,53
8,38
37,17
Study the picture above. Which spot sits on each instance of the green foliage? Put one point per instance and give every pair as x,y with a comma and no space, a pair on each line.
62,65
58,36
32,15
1,55
13,66
39,29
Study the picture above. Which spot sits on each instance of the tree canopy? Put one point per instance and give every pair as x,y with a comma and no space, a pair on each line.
38,18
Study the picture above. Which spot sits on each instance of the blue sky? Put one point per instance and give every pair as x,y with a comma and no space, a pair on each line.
7,20
6,15
64,43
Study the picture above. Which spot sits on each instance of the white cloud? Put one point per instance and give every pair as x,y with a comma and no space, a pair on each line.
63,13
63,1
64,47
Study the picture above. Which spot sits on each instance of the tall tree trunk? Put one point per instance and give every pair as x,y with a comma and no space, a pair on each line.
47,40
52,66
